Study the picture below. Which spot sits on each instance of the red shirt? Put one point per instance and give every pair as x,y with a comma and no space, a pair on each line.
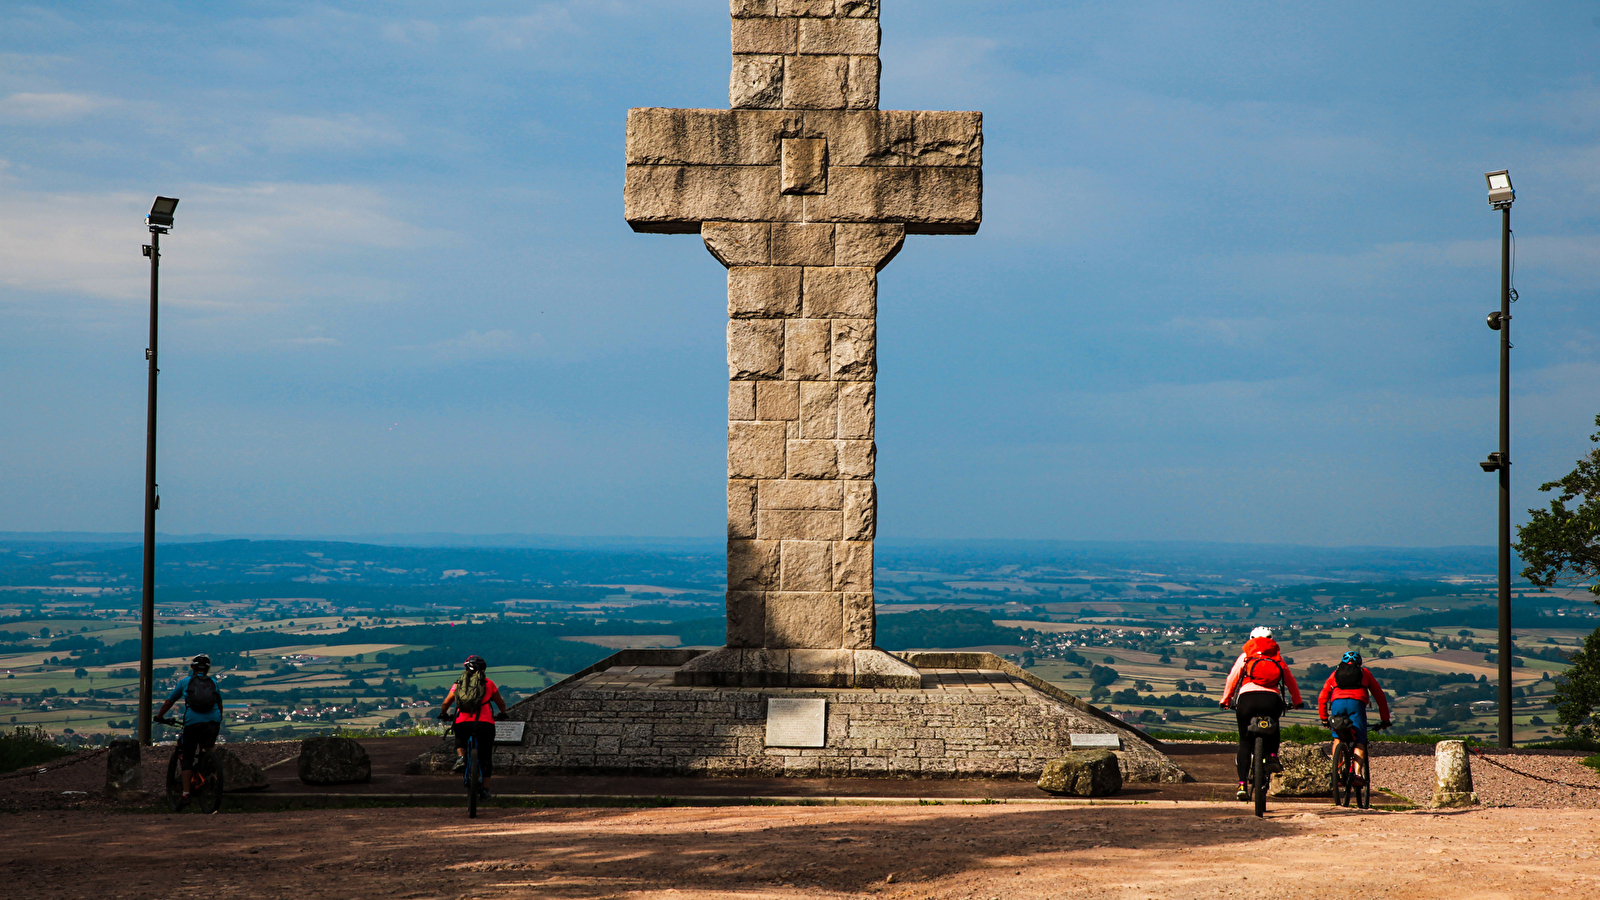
485,712
1369,685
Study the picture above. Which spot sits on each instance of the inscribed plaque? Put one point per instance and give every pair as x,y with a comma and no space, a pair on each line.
796,723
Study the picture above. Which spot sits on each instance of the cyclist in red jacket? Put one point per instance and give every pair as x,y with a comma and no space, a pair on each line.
1255,688
1346,691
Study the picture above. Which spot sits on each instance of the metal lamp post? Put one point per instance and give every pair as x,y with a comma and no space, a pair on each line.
160,221
1501,197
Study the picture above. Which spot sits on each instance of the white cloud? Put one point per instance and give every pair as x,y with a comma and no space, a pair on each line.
47,107
344,133
477,346
415,31
231,246
532,31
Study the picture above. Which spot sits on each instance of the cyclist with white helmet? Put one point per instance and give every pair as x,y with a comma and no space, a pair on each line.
1346,693
471,694
202,717
1254,689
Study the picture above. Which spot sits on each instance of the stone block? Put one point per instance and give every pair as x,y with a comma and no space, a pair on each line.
753,565
742,495
740,243
872,245
747,617
800,495
816,82
799,524
807,566
124,777
852,567
857,410
756,82
812,459
804,166
820,668
806,349
755,348
819,410
676,199
804,620
1452,775
926,199
764,292
1082,773
860,619
755,450
1305,771
855,349
860,519
816,8
897,137
777,401
857,459
861,84
741,401
799,244
743,9
707,137
839,292
836,36
765,35
858,9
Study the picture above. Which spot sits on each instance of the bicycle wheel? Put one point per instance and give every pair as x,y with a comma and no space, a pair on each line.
474,779
1341,774
1258,776
1363,787
208,793
174,789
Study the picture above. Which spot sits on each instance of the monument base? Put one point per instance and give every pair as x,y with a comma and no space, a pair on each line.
971,715
755,668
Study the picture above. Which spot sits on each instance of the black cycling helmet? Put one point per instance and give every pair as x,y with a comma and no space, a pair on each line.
201,663
476,663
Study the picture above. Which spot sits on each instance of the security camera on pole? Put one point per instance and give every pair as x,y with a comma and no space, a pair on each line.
160,221
1500,197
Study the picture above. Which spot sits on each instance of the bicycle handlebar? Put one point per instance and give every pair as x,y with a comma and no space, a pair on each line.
166,720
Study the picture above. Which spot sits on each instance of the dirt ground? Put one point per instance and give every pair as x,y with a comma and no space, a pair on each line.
1122,852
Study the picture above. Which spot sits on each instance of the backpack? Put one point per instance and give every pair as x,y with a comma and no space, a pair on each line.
201,694
1264,671
1348,677
472,690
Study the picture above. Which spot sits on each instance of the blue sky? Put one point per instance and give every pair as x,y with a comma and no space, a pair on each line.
1230,284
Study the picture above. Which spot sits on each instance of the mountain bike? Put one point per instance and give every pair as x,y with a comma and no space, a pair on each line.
472,776
1352,775
1262,727
206,794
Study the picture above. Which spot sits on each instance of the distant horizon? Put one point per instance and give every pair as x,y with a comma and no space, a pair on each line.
414,538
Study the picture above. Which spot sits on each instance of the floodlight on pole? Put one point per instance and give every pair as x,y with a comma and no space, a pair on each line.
1501,196
160,222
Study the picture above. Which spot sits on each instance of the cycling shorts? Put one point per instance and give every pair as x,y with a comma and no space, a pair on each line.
1356,710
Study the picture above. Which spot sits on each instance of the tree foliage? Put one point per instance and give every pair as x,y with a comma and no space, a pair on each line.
1562,544
1577,697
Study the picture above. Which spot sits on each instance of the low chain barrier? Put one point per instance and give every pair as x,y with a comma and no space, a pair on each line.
36,771
1500,765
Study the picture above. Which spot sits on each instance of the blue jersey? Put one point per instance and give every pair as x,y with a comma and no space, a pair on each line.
193,716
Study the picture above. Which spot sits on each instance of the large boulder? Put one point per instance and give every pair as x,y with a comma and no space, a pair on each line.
1307,771
334,760
1082,773
124,777
238,775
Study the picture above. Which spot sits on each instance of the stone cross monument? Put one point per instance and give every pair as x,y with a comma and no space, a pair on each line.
804,189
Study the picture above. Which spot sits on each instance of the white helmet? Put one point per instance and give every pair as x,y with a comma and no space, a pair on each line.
1261,632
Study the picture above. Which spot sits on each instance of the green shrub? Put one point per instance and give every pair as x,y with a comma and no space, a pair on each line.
28,747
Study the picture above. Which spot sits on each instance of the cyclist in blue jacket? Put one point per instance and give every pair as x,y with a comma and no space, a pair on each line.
202,718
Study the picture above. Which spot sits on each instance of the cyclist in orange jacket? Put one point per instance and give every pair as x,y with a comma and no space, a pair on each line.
1346,691
1255,688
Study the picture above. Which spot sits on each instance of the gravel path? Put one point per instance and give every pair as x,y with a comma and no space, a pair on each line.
1407,770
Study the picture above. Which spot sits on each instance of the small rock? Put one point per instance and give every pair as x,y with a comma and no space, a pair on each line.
334,760
1307,771
1082,773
